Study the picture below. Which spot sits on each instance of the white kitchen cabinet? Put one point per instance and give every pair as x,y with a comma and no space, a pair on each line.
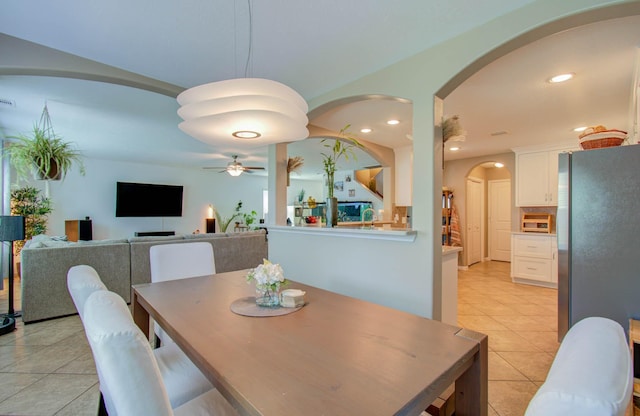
537,176
534,259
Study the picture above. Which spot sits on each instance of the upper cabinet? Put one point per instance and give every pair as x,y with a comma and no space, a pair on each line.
537,175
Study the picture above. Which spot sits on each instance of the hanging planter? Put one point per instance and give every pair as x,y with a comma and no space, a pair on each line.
43,153
52,174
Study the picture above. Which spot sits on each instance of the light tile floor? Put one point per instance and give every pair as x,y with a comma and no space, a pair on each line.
521,322
47,368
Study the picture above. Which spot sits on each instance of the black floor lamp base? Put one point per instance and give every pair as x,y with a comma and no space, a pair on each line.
7,325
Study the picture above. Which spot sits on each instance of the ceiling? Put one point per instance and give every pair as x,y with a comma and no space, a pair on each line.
204,41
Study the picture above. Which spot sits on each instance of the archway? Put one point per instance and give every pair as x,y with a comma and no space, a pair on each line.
484,172
537,33
383,144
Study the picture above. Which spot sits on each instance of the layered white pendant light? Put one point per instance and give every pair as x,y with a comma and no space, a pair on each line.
249,111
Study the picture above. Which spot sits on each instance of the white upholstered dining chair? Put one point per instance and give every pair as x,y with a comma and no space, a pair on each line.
127,366
179,261
182,379
83,280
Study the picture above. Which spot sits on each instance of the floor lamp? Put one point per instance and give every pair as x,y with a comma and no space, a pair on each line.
11,229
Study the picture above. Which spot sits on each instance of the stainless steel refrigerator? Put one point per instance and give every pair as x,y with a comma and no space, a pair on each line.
598,229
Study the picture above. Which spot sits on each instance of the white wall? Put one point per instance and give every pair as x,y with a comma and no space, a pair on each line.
404,181
312,188
94,195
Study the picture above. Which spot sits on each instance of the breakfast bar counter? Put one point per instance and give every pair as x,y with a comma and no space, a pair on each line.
358,231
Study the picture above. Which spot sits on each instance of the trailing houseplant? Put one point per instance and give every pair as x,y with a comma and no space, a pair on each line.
43,152
28,202
342,148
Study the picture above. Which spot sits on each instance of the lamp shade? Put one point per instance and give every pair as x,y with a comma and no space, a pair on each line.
245,111
11,228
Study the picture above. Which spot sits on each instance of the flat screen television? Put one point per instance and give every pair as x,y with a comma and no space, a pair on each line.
148,200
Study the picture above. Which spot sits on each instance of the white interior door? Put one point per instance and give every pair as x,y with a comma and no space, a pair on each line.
500,220
475,213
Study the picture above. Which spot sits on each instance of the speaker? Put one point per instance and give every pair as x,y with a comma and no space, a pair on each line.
78,230
211,225
85,230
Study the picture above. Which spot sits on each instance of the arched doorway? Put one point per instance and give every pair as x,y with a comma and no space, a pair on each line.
484,202
561,25
488,213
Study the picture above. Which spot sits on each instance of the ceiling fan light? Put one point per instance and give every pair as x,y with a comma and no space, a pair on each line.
213,112
235,170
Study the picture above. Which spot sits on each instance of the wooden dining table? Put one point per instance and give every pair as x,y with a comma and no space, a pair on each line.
337,355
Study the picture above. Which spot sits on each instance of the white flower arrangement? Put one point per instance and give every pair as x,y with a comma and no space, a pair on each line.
268,276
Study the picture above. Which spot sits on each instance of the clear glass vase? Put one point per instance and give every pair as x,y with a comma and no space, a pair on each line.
268,296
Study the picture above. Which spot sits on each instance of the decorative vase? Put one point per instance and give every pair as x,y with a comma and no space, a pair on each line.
268,296
332,212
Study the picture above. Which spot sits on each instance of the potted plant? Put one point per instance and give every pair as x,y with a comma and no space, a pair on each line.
28,203
250,218
342,147
225,222
43,152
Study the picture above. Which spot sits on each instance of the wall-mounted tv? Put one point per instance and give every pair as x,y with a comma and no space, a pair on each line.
148,200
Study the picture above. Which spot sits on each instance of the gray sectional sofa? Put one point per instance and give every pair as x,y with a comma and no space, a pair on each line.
120,264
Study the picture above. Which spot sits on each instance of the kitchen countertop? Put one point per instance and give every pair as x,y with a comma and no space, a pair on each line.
373,233
359,223
450,250
530,233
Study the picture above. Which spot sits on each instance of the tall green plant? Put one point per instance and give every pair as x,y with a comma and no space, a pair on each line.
341,148
28,202
223,223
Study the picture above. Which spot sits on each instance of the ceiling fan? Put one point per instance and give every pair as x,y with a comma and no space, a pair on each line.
235,168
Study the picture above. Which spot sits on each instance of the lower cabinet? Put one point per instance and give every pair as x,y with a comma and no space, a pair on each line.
534,259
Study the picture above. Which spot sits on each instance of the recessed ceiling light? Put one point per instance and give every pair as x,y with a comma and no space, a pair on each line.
579,129
393,122
498,165
246,134
454,149
561,78
365,130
